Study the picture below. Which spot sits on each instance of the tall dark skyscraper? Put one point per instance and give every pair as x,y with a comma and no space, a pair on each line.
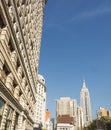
85,104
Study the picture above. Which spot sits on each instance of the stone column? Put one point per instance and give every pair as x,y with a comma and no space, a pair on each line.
24,124
11,13
13,120
28,95
5,35
26,90
16,92
4,116
19,73
21,100
18,38
1,67
23,82
20,121
9,82
14,58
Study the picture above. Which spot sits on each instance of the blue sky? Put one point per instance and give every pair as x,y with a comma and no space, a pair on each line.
76,45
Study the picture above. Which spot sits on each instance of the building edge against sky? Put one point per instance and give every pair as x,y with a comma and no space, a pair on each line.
42,115
40,108
20,41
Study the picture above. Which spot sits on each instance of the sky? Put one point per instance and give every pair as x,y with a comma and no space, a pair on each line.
76,45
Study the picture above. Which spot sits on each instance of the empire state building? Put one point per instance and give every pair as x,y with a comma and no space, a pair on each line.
85,104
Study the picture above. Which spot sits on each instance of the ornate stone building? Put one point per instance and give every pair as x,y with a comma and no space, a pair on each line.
20,37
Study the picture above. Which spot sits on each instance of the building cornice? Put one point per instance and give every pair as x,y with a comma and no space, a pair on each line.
4,91
10,98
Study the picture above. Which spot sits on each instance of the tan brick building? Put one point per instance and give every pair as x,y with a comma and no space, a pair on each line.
20,37
103,112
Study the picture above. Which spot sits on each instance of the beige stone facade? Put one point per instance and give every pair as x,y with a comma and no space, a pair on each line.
40,106
20,37
103,112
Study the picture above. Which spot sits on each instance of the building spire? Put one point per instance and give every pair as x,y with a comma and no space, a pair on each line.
84,84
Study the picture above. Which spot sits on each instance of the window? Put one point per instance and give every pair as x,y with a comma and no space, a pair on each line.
1,108
2,25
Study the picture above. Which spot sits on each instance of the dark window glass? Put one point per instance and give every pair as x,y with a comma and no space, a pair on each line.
1,108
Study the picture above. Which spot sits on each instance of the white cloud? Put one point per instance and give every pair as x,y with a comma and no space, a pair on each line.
96,12
57,26
83,15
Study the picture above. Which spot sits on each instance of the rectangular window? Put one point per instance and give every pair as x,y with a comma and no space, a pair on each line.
1,108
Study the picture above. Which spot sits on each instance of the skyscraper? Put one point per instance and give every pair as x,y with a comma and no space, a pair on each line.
85,104
66,113
66,106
